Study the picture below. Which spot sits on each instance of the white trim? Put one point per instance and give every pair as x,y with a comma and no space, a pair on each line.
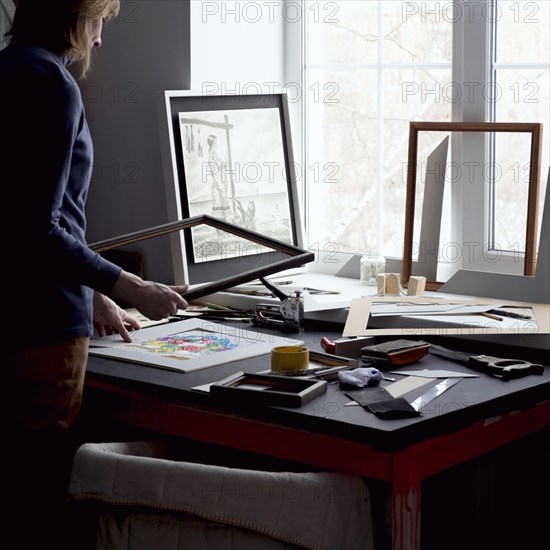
169,168
470,199
7,13
293,62
9,8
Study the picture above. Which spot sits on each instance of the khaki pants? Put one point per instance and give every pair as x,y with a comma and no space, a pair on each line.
42,395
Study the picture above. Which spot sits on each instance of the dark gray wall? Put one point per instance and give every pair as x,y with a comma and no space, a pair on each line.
146,50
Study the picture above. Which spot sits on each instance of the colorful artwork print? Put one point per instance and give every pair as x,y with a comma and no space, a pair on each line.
185,346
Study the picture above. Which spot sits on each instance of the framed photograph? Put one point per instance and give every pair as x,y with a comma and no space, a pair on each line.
228,157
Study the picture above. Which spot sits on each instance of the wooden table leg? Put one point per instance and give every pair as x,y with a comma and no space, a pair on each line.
406,487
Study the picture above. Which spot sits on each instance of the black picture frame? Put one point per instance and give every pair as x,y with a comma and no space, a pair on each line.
266,389
291,256
209,255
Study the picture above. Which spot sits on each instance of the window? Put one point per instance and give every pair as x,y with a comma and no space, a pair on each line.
520,77
370,67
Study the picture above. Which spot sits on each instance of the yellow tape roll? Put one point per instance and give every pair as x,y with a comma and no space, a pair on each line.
287,358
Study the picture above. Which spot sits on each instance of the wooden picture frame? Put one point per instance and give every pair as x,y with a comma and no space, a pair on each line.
267,389
297,256
535,129
323,365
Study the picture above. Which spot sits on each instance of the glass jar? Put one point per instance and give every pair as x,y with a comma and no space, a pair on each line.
372,263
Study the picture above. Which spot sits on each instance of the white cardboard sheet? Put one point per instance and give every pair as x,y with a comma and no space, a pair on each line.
361,308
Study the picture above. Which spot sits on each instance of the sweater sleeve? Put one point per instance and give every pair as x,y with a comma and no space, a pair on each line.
53,149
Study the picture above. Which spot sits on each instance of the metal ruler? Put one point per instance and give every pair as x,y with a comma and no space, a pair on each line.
434,392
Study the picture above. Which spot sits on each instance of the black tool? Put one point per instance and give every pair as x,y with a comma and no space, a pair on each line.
506,369
288,316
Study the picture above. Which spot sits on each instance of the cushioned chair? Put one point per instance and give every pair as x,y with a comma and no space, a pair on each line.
142,500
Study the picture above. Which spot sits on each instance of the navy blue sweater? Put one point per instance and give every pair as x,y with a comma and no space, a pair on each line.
45,167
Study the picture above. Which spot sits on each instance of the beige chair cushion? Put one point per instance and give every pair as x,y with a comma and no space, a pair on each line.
148,501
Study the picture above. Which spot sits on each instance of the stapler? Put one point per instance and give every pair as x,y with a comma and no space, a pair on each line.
288,316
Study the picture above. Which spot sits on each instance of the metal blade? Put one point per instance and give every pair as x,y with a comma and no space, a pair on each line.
456,356
434,392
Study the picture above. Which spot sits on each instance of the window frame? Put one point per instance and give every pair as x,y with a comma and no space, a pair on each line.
470,204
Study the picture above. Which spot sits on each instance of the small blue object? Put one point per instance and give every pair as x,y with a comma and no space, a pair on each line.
361,377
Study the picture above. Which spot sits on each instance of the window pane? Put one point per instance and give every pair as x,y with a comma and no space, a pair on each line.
342,149
525,98
342,32
417,32
512,153
356,144
523,31
522,95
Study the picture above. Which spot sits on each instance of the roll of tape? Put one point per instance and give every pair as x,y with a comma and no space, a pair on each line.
288,358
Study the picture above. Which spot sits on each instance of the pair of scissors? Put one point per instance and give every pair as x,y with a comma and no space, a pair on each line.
506,369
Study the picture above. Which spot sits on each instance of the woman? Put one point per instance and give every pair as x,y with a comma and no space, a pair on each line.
59,287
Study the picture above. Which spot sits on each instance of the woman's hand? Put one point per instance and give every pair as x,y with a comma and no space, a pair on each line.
154,300
111,319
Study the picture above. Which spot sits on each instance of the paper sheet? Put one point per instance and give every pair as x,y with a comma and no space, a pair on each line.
401,387
360,312
405,385
416,309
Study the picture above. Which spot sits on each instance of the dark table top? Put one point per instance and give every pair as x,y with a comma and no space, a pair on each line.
469,401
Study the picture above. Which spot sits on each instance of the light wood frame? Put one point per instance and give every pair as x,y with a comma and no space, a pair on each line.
298,257
535,129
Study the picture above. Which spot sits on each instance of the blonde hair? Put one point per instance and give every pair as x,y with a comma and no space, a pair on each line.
64,26
79,35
